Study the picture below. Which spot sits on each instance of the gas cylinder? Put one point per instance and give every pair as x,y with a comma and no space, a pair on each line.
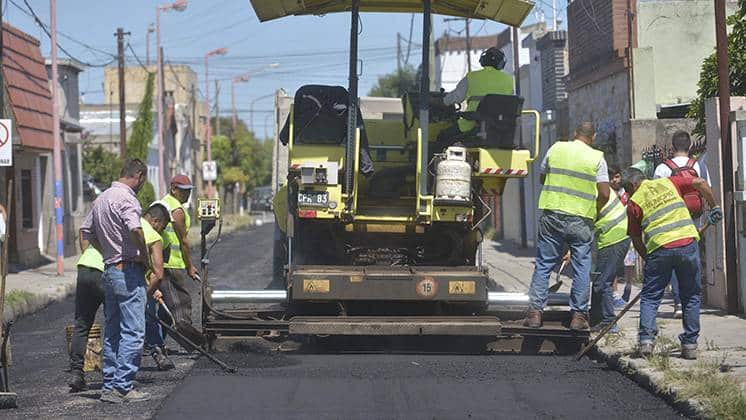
453,176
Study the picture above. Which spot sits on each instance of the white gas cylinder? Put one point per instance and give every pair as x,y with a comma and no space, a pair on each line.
453,176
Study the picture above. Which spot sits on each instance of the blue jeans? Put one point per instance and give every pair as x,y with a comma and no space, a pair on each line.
153,331
124,307
659,266
557,232
675,290
610,260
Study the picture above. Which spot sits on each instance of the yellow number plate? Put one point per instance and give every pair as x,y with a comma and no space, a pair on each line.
461,287
317,286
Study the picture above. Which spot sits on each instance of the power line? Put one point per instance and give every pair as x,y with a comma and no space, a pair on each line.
129,46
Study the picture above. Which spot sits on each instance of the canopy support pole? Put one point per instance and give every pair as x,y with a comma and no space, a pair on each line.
352,105
425,92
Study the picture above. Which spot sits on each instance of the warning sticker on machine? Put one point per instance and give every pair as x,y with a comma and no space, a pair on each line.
461,287
427,287
316,286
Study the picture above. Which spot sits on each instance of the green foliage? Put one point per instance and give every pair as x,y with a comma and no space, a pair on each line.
102,165
142,129
395,84
708,78
146,195
252,166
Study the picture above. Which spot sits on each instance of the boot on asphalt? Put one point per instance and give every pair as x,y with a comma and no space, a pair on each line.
161,360
689,351
533,318
112,396
136,396
77,381
579,322
645,349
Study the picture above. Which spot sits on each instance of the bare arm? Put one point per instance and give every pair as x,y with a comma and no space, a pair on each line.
603,195
639,246
156,261
700,184
138,239
179,224
82,241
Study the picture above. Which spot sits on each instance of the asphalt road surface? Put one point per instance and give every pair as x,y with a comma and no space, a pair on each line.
305,384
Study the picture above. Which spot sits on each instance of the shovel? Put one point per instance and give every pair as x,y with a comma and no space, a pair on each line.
185,331
556,286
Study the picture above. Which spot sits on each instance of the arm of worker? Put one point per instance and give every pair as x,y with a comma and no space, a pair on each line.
82,241
602,185
179,223
156,263
544,167
457,95
138,239
87,234
700,184
634,228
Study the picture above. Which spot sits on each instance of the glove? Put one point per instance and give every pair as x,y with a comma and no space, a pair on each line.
715,215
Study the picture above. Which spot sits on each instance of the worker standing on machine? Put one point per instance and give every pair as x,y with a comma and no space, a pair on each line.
490,80
575,188
658,213
179,264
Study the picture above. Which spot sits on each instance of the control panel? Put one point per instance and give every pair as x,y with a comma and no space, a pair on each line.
208,208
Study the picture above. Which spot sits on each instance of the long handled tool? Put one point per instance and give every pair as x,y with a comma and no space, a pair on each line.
189,342
631,303
558,281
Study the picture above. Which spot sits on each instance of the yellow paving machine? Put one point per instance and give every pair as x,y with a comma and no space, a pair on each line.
379,222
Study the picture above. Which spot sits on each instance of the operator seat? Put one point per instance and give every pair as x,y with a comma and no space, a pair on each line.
496,117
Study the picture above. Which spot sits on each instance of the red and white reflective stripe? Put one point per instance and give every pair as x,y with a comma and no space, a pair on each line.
498,171
295,166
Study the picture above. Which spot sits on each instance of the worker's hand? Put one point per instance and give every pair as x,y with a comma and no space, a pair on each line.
158,295
566,258
715,215
194,273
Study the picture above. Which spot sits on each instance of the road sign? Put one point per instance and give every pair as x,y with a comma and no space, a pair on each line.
209,170
6,143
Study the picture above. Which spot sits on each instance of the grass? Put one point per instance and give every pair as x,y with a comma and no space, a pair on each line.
710,345
614,339
720,394
17,297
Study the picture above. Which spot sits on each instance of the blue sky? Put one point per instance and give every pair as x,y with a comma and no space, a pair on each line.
307,49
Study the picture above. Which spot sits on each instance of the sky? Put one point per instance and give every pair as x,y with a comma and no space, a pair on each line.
285,53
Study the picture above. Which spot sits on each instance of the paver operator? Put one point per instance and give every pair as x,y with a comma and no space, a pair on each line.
664,235
179,264
575,188
472,88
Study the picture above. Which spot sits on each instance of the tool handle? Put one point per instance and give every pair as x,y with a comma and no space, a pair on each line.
608,327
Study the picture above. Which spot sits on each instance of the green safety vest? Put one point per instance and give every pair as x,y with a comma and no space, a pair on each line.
175,260
488,81
570,184
91,258
611,225
665,217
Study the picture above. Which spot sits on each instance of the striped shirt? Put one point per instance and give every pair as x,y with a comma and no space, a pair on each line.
115,213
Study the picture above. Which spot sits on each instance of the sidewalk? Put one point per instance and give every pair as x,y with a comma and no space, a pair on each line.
712,387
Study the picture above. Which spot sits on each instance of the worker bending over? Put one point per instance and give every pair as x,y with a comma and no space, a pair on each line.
490,80
664,235
576,188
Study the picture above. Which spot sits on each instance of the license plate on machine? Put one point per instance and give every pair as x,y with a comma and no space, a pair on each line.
313,198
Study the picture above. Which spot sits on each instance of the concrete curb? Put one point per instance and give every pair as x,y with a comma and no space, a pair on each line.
650,379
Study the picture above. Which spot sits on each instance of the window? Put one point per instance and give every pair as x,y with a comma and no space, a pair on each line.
27,205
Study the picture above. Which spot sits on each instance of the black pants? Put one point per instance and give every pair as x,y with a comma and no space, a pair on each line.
89,295
176,295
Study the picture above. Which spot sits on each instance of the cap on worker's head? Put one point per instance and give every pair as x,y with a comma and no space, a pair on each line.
181,181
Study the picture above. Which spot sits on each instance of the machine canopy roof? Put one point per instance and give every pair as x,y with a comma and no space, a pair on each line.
509,12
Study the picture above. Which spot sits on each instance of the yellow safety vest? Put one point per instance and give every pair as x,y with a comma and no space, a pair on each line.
571,178
665,217
175,260
91,258
488,81
611,225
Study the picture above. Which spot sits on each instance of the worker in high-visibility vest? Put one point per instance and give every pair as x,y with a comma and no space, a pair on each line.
179,264
612,243
490,80
664,234
575,188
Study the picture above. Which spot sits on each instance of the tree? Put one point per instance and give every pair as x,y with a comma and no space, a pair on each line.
708,78
142,135
396,84
102,165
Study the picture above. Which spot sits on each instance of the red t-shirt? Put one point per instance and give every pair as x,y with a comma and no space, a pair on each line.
634,212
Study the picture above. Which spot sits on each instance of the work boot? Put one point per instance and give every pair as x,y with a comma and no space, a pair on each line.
77,381
579,322
533,318
136,396
645,349
689,351
112,396
161,360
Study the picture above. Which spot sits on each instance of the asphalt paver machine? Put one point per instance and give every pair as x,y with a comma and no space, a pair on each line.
378,224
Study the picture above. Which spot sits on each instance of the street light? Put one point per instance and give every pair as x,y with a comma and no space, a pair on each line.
179,6
215,52
242,79
151,29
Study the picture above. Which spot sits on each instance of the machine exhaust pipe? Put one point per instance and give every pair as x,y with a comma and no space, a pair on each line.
280,296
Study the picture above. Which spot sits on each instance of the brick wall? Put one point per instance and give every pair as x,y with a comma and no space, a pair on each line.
552,48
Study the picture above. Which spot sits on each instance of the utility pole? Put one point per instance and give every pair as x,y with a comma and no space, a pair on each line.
398,52
150,30
468,39
122,122
217,107
522,184
721,38
554,15
57,140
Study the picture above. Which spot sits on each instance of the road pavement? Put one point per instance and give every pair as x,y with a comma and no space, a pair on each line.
272,384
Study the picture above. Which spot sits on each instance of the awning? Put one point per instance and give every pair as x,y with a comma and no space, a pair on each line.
509,12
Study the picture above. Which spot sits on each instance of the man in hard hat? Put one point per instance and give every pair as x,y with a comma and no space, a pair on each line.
575,188
664,234
179,264
490,80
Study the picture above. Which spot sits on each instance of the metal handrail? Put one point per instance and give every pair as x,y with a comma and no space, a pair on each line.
537,128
